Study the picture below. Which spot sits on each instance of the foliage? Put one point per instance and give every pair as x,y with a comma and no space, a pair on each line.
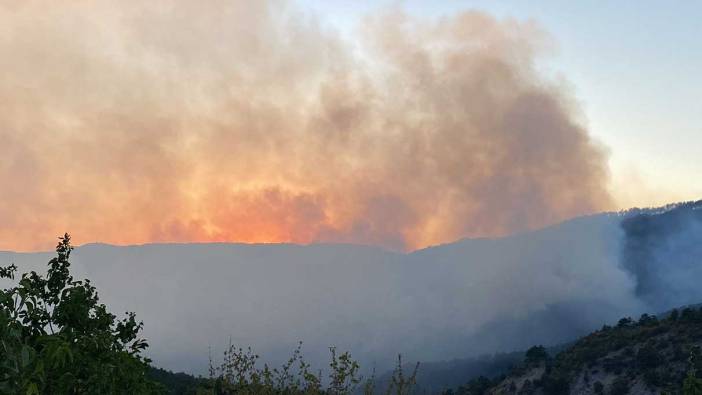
177,383
239,373
477,386
651,351
692,385
56,337
536,355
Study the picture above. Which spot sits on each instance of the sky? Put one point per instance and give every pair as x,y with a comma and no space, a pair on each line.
402,125
633,66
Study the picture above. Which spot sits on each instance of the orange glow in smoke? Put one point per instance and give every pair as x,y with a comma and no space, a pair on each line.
171,121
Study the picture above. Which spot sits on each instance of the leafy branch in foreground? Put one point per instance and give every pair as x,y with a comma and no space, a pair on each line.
55,336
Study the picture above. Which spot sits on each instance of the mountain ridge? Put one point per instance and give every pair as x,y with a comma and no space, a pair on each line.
471,297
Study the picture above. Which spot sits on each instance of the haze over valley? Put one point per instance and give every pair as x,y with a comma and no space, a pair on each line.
471,297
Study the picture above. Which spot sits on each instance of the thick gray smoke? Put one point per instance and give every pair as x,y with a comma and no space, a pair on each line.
141,121
445,302
664,254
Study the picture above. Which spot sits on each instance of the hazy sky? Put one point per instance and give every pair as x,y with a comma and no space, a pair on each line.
633,65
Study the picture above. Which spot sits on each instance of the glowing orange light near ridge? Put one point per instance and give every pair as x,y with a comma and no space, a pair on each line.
246,123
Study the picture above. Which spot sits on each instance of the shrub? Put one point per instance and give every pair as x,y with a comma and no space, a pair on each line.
535,355
57,338
239,373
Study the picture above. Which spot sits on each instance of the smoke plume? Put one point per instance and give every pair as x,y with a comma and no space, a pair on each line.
132,122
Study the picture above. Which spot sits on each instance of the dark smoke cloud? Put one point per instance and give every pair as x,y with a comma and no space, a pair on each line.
132,122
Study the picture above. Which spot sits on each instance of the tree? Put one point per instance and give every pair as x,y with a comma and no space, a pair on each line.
692,385
688,314
535,355
57,338
648,320
625,322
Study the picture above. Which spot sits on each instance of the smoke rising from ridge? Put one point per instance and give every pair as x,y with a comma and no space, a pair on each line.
452,301
251,121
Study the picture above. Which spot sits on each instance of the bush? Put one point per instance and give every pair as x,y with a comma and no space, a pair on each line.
535,355
239,373
57,338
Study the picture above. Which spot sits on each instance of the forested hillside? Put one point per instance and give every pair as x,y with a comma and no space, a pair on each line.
644,356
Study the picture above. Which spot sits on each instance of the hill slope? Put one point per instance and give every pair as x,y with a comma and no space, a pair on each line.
648,356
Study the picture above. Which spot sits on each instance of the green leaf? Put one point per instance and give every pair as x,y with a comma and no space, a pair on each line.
25,356
32,389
